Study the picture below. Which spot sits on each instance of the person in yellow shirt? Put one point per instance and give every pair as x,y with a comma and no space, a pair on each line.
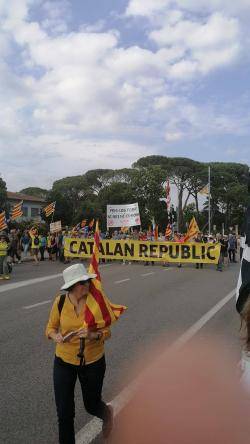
4,271
88,365
35,243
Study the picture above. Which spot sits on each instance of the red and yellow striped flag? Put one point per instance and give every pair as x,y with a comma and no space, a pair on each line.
17,211
193,230
156,232
50,209
99,312
205,190
3,222
168,231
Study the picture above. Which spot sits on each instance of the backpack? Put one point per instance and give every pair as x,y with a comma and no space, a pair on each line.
61,303
231,243
36,241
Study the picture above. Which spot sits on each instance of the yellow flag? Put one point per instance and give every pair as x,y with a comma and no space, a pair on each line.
204,191
193,230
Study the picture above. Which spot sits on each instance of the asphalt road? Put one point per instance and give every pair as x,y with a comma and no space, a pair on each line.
162,303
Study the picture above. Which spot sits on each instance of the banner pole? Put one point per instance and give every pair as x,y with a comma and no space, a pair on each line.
209,200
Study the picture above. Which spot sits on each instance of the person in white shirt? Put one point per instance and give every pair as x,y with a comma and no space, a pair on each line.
242,244
245,355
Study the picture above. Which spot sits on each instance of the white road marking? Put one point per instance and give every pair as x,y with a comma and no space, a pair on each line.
14,286
91,430
148,274
27,307
191,332
123,280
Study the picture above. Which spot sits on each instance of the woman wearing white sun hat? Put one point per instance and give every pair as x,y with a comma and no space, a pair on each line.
67,316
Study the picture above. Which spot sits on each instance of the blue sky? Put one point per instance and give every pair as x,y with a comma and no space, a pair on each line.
99,83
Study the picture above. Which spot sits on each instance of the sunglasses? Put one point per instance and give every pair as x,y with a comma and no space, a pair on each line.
84,282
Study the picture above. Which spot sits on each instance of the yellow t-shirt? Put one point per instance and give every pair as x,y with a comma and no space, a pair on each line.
32,241
65,323
3,248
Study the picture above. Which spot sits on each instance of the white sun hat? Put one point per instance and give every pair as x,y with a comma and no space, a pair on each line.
75,273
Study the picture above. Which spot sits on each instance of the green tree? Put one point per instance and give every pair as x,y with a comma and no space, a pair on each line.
147,186
228,193
74,190
97,179
181,172
63,209
3,195
35,191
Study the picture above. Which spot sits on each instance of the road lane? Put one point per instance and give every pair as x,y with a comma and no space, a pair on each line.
160,304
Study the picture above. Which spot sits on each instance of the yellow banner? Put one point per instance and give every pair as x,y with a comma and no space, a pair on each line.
132,250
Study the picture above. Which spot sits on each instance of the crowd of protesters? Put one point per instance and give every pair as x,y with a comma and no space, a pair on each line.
18,246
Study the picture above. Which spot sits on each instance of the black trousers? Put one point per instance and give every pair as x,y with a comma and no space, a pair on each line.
42,250
91,380
13,253
231,255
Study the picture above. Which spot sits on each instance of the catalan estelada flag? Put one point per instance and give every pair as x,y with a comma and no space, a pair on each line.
17,211
50,209
193,230
205,190
168,231
3,222
99,312
156,232
168,197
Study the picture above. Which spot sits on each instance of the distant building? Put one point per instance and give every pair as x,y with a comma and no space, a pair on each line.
32,205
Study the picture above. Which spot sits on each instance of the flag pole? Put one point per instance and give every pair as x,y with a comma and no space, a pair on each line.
52,219
209,200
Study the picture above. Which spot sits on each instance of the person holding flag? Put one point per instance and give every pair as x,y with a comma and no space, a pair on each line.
79,324
198,239
35,243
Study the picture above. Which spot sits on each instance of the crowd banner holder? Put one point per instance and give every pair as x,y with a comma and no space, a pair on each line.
133,250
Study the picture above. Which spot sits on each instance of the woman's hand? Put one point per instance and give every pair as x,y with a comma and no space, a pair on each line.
57,338
83,333
87,334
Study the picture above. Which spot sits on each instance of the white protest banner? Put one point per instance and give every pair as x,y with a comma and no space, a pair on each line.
123,216
55,226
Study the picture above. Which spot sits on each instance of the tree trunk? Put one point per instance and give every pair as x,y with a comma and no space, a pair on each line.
186,201
197,203
180,211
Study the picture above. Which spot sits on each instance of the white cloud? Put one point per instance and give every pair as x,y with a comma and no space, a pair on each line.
231,152
73,98
147,8
173,136
57,13
218,30
164,102
59,156
207,45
